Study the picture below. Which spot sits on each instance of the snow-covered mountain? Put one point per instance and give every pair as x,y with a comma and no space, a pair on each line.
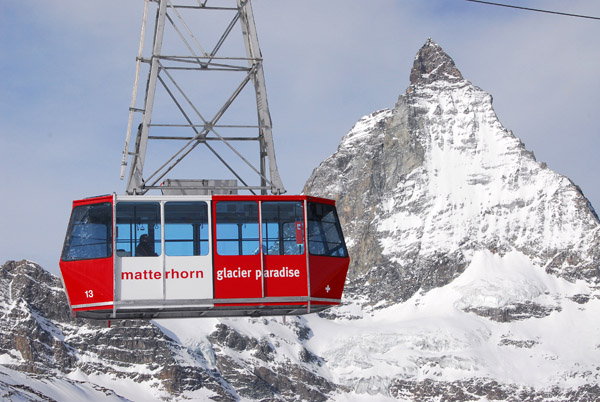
424,186
474,278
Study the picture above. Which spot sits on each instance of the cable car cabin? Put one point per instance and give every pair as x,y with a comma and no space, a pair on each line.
131,257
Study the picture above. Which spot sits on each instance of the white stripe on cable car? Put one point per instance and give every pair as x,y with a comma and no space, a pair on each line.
92,305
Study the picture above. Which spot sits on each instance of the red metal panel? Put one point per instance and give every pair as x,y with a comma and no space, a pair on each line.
327,276
321,200
285,275
88,281
237,276
262,198
94,200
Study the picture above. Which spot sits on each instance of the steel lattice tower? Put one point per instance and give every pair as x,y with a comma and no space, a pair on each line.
177,68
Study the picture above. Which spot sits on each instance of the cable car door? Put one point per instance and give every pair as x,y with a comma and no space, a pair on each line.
237,259
139,261
188,258
284,250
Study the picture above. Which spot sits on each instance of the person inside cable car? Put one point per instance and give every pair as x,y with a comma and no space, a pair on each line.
144,249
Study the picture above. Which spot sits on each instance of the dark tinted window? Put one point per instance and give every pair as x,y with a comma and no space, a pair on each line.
324,231
90,233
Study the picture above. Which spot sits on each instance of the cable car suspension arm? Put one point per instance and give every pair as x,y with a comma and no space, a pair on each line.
209,127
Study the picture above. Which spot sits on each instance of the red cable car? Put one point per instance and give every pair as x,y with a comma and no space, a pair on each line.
131,257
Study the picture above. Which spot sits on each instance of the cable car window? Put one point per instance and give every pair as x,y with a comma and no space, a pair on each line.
237,227
89,234
283,228
186,228
138,229
324,231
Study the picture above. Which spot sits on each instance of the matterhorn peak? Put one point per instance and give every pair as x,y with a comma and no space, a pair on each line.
424,187
432,64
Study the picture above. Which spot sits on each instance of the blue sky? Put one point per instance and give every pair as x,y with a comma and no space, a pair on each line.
68,66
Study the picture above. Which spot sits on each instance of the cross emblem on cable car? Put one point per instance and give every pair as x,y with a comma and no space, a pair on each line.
327,288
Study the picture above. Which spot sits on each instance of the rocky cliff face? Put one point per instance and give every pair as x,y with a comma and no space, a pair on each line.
423,186
140,360
474,278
